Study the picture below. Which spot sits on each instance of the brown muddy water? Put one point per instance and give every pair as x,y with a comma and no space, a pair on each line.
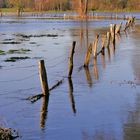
99,103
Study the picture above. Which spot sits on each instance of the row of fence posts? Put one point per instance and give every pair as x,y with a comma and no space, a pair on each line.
91,49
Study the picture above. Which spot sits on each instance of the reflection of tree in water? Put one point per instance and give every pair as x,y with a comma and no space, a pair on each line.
132,127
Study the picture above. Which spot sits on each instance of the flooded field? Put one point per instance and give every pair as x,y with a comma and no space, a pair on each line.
101,102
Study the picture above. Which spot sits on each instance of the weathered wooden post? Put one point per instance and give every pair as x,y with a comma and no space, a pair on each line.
108,39
118,28
43,78
71,59
94,50
87,56
112,31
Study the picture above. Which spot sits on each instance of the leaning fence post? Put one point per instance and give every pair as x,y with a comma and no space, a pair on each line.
71,59
95,46
118,28
43,78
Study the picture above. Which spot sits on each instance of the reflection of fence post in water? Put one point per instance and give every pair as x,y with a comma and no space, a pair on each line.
43,78
103,44
108,52
88,76
95,70
71,95
95,46
87,56
71,59
103,61
44,111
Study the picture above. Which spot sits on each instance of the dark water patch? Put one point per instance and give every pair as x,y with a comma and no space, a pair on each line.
37,57
20,51
56,43
42,35
13,42
24,40
32,43
9,39
13,22
14,59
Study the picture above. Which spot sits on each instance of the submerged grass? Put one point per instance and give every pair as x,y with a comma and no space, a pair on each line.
12,42
42,35
2,52
20,51
14,59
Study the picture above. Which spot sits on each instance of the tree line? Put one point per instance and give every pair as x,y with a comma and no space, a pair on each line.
63,5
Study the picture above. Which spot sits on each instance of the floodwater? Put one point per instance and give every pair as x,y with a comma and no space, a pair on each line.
101,102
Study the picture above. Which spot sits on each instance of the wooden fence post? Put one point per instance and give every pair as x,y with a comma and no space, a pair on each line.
95,46
118,28
112,31
108,39
71,59
87,56
43,78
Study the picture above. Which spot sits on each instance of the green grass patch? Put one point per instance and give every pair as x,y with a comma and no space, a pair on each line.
20,51
2,52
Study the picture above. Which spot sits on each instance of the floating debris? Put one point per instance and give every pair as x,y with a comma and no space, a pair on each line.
133,84
14,59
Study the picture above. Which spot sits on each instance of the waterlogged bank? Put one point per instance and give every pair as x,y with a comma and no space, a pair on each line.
101,102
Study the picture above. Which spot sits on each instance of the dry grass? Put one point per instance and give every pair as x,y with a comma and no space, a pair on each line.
8,134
